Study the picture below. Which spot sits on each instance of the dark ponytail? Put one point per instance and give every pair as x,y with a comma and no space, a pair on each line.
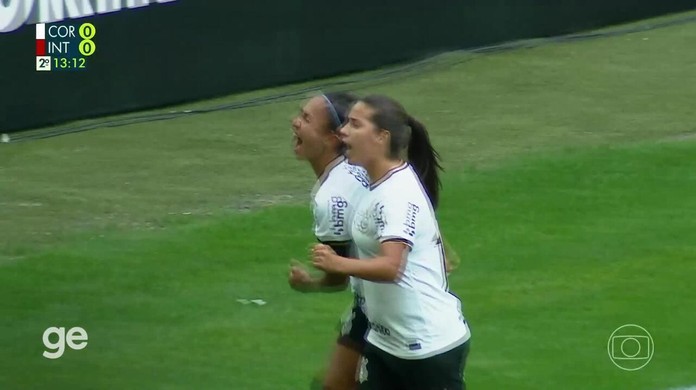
425,159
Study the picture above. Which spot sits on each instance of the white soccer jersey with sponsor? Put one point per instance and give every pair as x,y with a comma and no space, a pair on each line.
415,317
335,197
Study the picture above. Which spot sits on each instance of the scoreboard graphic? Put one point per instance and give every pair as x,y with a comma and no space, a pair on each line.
64,47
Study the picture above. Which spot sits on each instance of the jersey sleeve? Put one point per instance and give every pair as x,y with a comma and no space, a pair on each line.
397,220
331,219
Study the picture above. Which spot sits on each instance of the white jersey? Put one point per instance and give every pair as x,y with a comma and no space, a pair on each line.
415,317
335,197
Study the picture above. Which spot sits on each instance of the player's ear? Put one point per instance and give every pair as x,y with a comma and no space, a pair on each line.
333,140
383,136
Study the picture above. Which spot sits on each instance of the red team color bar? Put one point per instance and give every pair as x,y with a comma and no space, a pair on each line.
41,39
40,47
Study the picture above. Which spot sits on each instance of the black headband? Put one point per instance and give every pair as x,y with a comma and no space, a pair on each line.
334,114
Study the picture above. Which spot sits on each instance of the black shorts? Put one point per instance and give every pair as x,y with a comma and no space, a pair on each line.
353,328
380,370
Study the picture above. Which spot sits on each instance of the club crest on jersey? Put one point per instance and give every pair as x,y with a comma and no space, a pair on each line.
372,221
338,214
410,223
362,222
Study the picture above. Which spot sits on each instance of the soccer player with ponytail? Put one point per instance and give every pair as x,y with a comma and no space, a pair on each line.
418,338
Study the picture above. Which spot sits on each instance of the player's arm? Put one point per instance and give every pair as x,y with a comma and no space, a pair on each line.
301,280
395,244
331,281
387,267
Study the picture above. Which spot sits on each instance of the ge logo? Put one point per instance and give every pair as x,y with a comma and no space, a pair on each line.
87,32
76,338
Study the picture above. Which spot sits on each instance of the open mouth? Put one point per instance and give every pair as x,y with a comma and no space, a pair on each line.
296,141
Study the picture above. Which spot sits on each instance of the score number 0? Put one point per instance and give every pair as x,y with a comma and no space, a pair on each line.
87,32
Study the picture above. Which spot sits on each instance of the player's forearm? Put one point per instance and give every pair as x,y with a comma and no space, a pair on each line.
326,283
378,269
332,282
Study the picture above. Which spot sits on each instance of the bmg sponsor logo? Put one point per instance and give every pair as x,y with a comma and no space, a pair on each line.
630,347
338,214
410,222
75,338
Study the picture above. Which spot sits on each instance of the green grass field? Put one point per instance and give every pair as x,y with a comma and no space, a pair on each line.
569,194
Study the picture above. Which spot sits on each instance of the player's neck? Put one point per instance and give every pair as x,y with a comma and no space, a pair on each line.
379,168
320,164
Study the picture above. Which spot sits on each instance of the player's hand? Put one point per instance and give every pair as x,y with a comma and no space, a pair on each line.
325,259
299,278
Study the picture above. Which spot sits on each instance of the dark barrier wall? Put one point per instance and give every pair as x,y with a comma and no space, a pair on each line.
193,49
